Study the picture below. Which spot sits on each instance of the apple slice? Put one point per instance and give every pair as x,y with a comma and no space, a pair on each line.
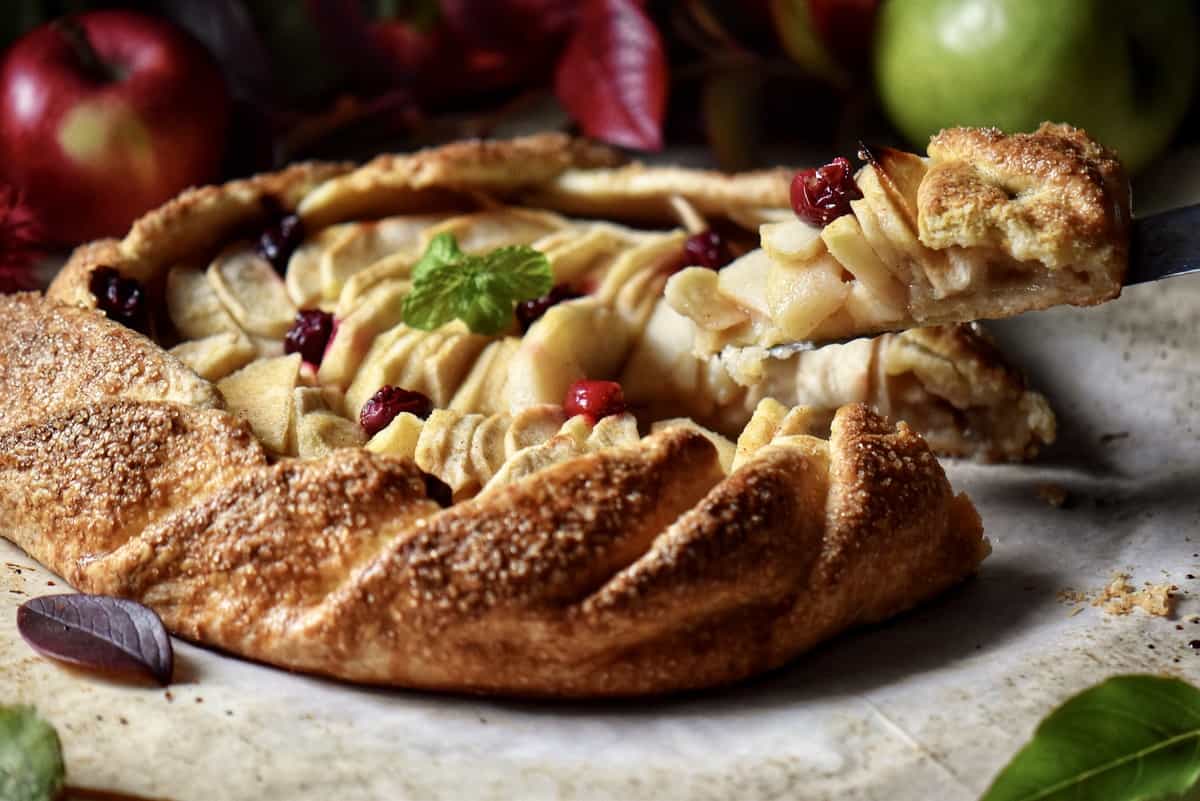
533,425
580,254
636,300
383,365
572,341
528,461
893,259
447,368
793,240
194,307
365,244
483,390
395,268
487,446
900,174
319,431
485,231
744,281
846,242
399,438
725,449
893,220
262,394
353,336
214,357
303,278
444,449
252,293
612,431
695,293
771,422
801,298
654,255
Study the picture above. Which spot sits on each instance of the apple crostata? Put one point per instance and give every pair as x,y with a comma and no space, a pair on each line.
989,225
431,422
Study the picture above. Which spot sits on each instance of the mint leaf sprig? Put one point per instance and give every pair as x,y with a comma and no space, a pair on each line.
482,291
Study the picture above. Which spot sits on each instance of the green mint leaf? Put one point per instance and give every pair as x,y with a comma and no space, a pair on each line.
31,764
442,251
1131,738
482,291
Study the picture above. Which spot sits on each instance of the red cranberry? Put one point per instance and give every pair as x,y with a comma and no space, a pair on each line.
388,402
822,194
438,490
122,299
529,311
309,335
706,249
594,399
280,239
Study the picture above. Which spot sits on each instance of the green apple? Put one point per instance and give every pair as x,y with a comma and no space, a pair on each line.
1122,69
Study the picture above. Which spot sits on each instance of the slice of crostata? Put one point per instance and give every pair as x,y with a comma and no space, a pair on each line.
988,225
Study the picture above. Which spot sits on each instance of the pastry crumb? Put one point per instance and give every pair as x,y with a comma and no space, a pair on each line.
1072,596
1054,494
1120,597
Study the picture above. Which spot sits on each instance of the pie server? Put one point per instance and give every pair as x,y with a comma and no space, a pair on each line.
1163,245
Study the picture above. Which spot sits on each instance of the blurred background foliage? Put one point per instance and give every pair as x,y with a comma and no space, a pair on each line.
736,83
749,79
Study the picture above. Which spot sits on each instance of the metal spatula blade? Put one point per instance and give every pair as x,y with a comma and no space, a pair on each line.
1164,245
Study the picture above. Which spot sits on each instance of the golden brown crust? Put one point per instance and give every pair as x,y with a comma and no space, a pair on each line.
55,357
429,179
576,581
192,226
643,193
79,484
1053,196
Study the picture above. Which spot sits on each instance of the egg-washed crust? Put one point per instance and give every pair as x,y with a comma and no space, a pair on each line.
1055,196
552,171
634,570
55,357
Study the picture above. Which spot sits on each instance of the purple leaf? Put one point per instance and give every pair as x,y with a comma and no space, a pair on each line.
114,635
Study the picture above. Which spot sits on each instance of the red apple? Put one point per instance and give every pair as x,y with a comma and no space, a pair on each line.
106,115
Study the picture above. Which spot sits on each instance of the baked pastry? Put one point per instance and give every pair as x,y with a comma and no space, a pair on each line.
989,225
485,539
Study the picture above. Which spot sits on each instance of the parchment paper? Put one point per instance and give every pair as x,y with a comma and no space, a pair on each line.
928,706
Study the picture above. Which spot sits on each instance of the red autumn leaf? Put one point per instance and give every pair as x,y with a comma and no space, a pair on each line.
613,76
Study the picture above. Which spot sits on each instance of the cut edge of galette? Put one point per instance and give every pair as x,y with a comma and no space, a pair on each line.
989,225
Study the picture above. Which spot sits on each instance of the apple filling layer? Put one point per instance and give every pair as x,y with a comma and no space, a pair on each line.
988,226
497,399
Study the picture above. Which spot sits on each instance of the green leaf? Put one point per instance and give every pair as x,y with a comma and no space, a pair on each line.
1131,738
31,765
482,291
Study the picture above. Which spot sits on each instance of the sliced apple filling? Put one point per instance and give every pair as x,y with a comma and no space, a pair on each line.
502,392
948,382
988,226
